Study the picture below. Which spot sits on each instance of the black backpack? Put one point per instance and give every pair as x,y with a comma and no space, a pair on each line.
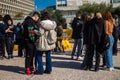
59,32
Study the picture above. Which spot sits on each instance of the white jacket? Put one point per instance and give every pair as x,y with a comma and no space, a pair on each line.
42,42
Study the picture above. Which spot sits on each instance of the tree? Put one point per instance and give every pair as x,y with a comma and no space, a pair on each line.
116,11
57,16
19,15
92,8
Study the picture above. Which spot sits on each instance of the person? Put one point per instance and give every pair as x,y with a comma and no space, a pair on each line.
2,37
77,35
59,46
116,34
9,37
45,19
19,39
29,25
87,23
109,22
93,36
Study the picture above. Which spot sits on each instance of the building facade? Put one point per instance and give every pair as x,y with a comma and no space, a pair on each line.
14,7
99,1
68,8
115,3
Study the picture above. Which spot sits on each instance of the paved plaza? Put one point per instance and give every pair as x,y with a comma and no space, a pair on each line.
63,69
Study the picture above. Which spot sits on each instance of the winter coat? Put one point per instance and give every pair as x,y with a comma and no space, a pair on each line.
46,26
2,29
77,26
94,31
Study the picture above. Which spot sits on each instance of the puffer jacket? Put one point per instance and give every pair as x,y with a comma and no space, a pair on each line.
46,26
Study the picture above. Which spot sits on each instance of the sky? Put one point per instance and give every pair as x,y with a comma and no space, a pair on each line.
42,4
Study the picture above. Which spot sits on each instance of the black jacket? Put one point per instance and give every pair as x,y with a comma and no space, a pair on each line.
10,34
77,26
94,31
29,25
2,29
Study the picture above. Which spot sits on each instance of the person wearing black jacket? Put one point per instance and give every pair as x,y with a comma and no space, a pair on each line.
116,34
2,37
29,25
9,37
77,35
19,39
93,36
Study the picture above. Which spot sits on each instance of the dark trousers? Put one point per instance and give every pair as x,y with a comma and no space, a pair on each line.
115,50
104,62
20,48
9,44
93,49
2,46
29,48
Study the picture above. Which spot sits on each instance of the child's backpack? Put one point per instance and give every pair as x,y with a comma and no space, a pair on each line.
59,32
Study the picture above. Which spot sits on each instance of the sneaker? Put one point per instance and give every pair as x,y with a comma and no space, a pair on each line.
79,58
4,56
47,72
12,56
9,57
1,57
110,69
38,73
33,70
72,57
27,71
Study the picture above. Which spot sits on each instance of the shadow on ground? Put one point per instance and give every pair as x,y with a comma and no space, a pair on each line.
118,68
63,64
15,69
61,58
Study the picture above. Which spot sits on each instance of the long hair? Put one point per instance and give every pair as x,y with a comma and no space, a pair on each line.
108,16
45,15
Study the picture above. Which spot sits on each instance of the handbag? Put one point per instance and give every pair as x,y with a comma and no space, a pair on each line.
104,45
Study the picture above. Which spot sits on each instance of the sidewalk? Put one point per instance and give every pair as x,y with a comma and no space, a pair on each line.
63,69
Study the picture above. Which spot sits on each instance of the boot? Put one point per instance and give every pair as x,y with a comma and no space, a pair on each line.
27,71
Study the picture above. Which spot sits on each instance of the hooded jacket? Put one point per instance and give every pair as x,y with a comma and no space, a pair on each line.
77,26
29,25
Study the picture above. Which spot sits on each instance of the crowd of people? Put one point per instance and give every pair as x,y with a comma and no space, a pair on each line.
36,36
99,34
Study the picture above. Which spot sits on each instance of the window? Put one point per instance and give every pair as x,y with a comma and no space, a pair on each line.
62,3
115,1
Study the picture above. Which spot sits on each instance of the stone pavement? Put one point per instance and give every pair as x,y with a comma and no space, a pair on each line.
63,69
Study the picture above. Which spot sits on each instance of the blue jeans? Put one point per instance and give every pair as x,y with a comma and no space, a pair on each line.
108,56
48,61
79,43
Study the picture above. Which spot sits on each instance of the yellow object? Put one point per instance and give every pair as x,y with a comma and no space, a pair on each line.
66,45
67,35
15,48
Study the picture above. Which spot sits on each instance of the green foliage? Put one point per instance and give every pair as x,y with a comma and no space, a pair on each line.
19,15
92,8
116,11
57,16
